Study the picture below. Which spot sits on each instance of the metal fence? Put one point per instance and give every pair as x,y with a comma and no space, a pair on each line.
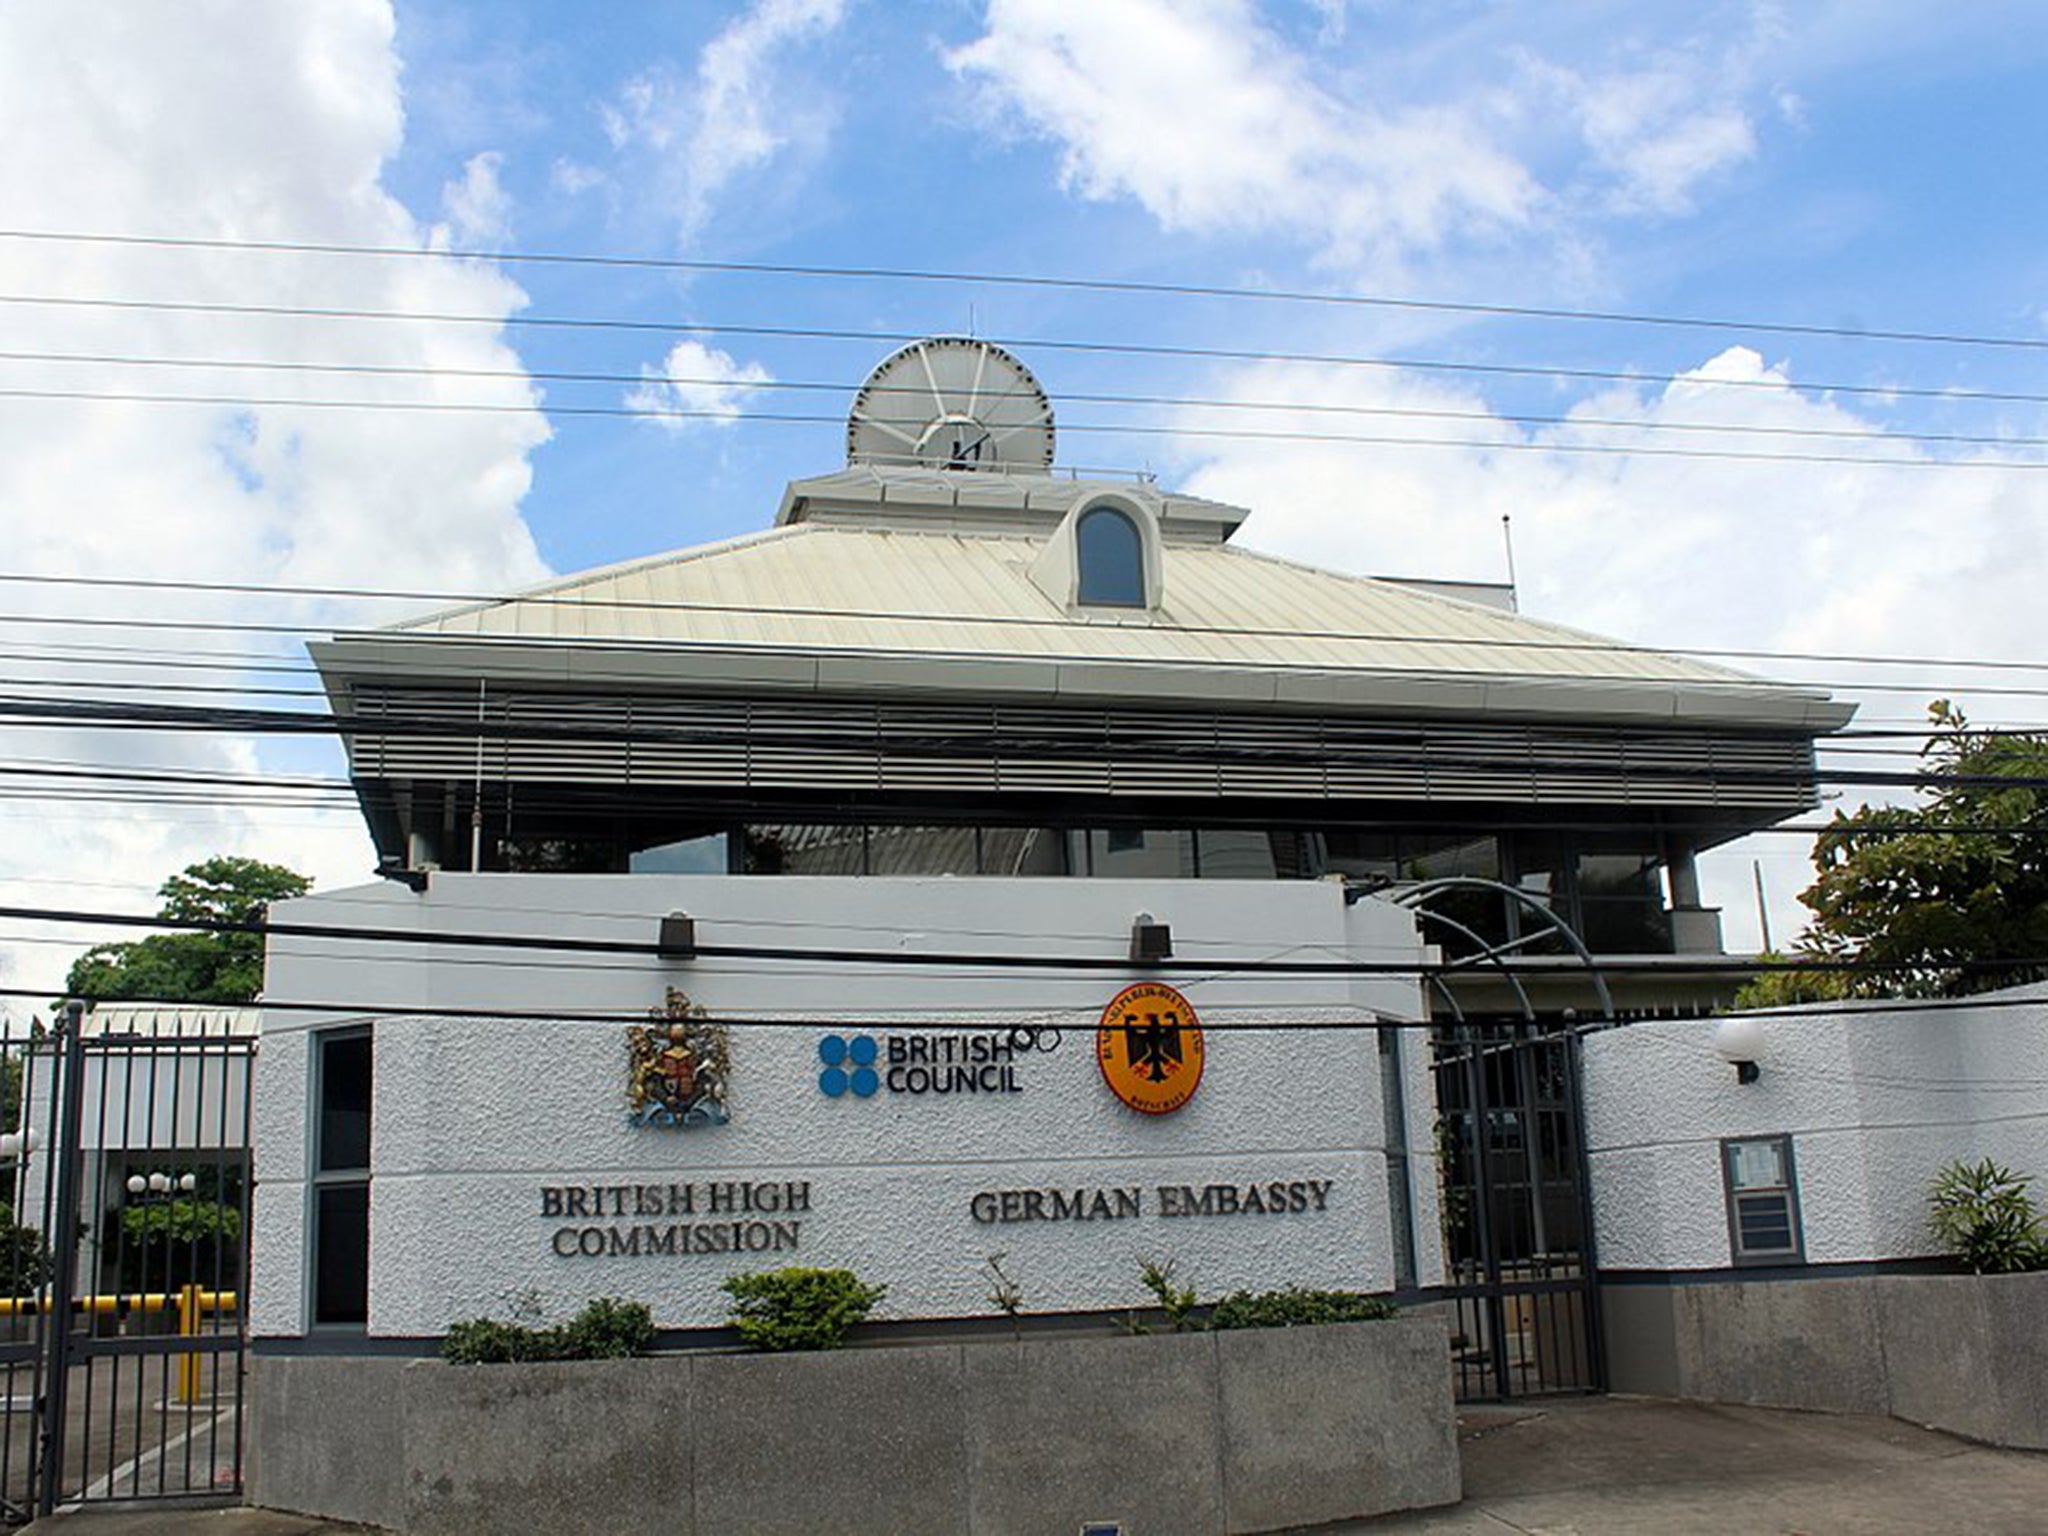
123,1256
1517,1221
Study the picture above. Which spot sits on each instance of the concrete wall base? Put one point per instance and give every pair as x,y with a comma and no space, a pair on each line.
1964,1353
1196,1433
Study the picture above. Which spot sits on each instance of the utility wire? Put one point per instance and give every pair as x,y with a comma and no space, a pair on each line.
1816,1014
1020,344
951,745
921,393
1566,642
1036,961
1124,429
1019,280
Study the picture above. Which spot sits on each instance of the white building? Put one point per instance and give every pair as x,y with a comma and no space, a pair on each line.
957,707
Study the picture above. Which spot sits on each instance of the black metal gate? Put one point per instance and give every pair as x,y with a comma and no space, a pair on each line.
123,1257
1517,1220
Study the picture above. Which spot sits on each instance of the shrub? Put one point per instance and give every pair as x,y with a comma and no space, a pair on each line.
607,1329
1983,1215
1294,1308
1177,1302
799,1308
486,1341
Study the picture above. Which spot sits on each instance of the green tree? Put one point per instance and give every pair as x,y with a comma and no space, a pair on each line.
202,967
1940,899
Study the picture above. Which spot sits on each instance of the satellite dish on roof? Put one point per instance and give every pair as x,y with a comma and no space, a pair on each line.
950,402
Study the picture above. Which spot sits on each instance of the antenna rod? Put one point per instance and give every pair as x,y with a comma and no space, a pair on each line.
1763,913
1507,538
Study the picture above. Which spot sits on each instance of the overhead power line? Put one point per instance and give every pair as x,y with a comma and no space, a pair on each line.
1563,643
121,715
744,387
1022,280
1036,960
873,337
1110,429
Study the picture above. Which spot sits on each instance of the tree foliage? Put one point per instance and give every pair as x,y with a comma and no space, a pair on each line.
1940,899
204,967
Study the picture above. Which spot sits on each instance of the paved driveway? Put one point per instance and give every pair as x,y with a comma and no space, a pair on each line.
1593,1466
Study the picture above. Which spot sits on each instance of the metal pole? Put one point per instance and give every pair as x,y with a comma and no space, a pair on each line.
1589,1253
1482,1206
65,1157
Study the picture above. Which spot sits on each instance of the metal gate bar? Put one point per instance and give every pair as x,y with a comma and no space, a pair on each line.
122,1348
1518,1221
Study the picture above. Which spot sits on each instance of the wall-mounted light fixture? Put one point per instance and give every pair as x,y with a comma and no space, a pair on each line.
1151,940
392,867
1741,1042
678,938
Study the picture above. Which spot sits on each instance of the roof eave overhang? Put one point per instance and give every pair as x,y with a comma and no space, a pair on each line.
611,665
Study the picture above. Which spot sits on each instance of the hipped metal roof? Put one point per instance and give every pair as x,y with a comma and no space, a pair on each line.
845,605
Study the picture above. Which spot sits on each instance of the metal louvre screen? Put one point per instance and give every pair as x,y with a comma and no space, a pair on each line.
728,743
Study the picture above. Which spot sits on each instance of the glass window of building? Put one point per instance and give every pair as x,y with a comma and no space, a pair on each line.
341,1177
1621,904
923,851
1127,854
1111,555
1233,854
705,855
1763,1200
1022,851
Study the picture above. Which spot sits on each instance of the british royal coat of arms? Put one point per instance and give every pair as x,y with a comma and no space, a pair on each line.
676,1068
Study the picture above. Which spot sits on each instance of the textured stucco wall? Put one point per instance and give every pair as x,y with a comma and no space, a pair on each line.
474,1116
1875,1102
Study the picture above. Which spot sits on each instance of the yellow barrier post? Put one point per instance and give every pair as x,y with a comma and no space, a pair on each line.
188,1328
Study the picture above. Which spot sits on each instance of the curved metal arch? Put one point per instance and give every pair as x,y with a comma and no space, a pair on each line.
1417,896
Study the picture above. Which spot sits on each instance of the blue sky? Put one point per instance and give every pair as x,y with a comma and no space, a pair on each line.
1868,166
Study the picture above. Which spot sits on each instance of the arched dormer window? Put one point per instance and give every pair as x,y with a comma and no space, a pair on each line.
1111,555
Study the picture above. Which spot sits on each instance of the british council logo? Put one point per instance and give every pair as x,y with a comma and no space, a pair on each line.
849,1066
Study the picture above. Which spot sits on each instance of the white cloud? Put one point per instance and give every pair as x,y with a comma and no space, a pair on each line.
574,177
696,386
250,121
1655,132
478,208
1366,149
732,115
1213,124
1891,557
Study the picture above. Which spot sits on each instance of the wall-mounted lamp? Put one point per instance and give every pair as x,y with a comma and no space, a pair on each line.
678,937
392,867
1151,940
1741,1041
14,1143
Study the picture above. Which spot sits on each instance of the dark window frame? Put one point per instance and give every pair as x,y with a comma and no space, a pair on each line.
320,1180
1741,1255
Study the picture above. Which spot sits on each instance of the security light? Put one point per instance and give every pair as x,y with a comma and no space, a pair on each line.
392,867
1741,1041
1151,940
678,938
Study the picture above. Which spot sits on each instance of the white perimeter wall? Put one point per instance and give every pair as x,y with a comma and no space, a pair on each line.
1875,1102
474,1116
